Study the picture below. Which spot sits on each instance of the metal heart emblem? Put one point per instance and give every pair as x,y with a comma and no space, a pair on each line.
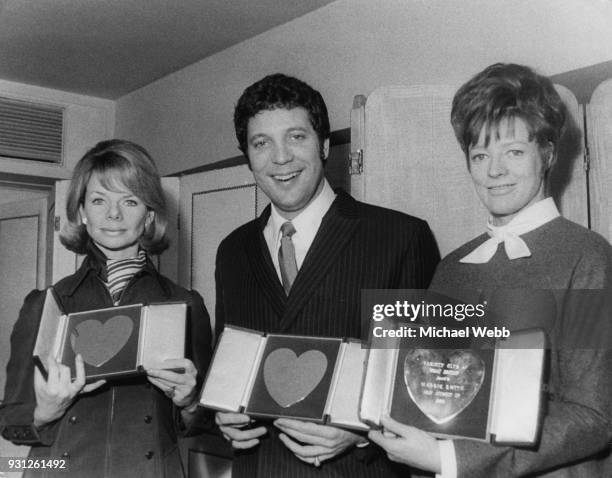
289,378
442,383
97,342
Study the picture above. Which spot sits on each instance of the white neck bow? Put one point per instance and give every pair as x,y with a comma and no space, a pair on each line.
527,220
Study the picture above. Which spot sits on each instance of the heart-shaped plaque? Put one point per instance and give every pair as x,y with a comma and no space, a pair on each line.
289,378
442,383
99,342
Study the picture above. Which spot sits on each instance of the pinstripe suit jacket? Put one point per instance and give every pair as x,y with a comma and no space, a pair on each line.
358,246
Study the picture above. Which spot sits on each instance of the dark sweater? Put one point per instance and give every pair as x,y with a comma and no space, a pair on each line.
564,287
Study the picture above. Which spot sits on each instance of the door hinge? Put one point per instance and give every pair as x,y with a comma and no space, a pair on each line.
586,160
356,162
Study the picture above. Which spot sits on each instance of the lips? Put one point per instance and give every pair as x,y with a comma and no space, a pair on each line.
500,188
286,177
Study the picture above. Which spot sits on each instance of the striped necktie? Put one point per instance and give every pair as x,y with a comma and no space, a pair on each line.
120,271
286,256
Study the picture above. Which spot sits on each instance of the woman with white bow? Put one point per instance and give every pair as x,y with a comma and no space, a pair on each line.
532,268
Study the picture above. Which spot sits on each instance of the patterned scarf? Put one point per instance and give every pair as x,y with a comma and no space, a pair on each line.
120,271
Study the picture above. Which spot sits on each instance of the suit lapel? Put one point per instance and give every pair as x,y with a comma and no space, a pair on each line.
337,229
261,264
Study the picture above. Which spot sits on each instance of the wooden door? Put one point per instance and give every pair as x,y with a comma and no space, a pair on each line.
212,205
23,246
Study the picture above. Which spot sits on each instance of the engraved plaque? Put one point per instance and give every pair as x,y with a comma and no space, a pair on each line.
441,382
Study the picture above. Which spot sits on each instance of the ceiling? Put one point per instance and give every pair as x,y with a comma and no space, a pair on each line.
107,48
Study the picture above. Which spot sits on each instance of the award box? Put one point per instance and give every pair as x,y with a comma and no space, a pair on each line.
489,394
269,375
114,342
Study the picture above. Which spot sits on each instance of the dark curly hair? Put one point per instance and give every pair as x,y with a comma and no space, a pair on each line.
280,91
505,91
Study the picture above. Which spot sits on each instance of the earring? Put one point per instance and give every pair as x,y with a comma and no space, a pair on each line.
84,220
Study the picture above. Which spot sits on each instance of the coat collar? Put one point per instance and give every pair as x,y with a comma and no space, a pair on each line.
95,263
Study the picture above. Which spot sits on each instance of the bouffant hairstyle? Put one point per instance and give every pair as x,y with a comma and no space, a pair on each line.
117,163
504,92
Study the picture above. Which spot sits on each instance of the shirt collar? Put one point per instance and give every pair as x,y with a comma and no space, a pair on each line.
529,218
307,222
525,221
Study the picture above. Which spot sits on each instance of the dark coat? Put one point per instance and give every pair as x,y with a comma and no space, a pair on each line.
126,428
358,246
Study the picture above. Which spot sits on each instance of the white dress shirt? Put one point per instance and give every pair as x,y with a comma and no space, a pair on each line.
306,225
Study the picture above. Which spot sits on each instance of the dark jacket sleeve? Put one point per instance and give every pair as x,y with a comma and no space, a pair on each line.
419,262
421,259
219,302
200,335
17,409
199,352
577,428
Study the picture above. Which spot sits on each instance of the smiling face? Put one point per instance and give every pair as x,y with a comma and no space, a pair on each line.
115,219
285,157
509,172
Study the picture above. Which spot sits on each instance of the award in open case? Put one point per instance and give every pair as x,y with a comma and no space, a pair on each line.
483,394
268,376
114,342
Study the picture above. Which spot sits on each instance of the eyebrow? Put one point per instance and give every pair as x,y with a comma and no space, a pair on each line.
514,141
503,143
103,193
257,135
288,130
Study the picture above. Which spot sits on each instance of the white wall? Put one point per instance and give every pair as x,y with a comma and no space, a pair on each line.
87,120
353,46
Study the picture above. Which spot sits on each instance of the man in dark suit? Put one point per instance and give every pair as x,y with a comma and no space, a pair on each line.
300,269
